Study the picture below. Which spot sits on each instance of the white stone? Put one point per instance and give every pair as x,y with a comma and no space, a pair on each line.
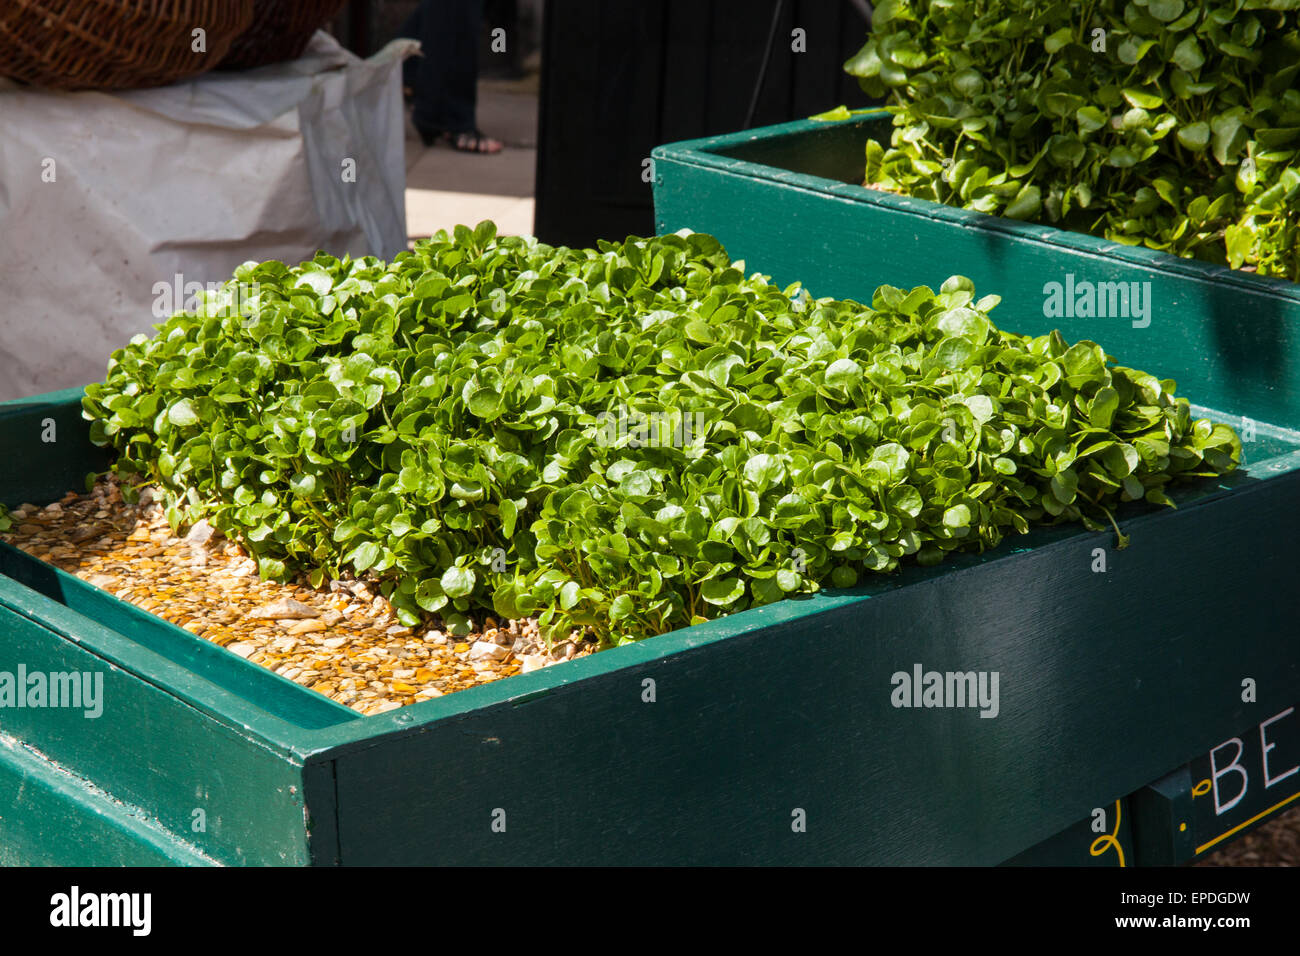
285,609
488,650
201,533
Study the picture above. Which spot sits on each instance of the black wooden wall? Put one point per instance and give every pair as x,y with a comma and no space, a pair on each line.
619,78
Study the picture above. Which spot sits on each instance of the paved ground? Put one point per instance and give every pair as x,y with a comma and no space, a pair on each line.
445,187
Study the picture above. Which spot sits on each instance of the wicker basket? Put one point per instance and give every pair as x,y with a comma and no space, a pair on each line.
281,30
115,44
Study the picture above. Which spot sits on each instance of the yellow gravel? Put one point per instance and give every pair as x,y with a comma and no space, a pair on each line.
341,640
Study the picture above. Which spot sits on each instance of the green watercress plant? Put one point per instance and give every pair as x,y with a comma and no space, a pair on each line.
626,439
1163,123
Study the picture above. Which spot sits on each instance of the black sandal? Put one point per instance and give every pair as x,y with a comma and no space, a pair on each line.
467,141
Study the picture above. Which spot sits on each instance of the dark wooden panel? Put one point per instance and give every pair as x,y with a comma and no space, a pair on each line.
1105,838
33,467
620,79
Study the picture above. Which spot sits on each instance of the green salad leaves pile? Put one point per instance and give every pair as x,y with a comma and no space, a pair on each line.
624,440
1170,124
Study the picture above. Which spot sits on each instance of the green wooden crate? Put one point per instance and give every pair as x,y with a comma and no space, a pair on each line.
759,721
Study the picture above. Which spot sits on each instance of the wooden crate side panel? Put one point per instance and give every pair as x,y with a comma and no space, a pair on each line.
150,749
1106,681
1104,838
320,799
45,448
48,817
1231,341
1161,812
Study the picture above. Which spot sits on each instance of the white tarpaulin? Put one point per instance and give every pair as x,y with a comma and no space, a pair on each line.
116,207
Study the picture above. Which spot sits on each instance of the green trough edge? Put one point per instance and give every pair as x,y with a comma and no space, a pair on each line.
709,153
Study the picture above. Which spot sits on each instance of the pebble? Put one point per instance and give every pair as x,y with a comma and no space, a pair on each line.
285,609
242,649
200,534
489,650
306,627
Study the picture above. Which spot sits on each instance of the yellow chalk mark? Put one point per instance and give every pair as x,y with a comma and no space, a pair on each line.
1108,840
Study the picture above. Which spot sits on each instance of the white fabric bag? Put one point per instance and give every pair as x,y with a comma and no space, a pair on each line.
115,208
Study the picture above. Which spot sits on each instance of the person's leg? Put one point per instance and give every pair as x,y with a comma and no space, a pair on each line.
413,28
446,87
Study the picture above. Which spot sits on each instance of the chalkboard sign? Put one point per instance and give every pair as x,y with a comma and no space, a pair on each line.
1238,785
1246,779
